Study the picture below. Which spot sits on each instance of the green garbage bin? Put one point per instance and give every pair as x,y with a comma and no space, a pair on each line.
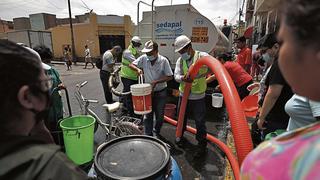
78,132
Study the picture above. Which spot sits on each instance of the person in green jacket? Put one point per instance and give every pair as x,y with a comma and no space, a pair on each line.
24,95
56,108
129,76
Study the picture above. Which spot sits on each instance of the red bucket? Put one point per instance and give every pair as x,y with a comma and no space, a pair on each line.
170,110
141,98
250,105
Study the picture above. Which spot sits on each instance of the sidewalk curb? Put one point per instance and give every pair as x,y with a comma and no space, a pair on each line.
63,63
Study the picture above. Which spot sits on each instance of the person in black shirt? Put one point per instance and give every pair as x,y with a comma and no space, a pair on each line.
272,114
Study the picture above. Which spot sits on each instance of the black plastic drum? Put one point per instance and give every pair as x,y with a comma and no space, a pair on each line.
133,157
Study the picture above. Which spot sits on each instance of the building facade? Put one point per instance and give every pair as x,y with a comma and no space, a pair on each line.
21,23
99,32
5,26
42,21
263,15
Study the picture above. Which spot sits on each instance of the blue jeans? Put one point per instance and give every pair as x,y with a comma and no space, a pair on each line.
158,104
197,110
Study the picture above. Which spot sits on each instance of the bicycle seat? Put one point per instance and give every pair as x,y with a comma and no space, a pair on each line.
112,107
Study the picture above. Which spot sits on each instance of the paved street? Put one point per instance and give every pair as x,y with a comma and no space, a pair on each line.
210,166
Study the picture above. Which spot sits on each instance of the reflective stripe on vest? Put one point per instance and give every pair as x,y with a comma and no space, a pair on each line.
126,71
199,85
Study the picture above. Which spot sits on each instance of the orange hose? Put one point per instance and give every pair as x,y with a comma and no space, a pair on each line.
183,107
239,125
233,162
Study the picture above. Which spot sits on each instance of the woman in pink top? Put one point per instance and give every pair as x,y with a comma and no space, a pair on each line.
239,76
294,155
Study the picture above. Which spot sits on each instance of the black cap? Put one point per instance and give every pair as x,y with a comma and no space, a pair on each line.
268,41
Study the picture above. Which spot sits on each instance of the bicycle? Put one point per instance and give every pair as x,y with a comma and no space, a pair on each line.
118,126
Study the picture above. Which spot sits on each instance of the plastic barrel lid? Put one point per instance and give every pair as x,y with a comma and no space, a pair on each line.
132,157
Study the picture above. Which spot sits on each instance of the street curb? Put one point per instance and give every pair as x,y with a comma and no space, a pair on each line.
63,63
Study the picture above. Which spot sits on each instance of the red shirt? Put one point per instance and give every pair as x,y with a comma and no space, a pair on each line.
244,56
237,73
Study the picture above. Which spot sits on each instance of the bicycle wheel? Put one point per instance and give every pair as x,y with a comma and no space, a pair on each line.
127,128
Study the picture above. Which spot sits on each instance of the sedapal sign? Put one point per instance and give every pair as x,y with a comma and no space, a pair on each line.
170,27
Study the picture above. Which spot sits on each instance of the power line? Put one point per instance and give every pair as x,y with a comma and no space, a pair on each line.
87,7
234,16
54,5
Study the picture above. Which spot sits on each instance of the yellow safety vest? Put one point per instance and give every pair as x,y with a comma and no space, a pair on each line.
199,85
126,71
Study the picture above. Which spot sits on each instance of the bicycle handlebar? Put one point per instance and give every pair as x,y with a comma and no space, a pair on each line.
81,96
110,84
92,101
84,103
83,83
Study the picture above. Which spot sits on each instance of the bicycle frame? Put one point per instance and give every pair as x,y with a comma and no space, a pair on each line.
117,126
84,106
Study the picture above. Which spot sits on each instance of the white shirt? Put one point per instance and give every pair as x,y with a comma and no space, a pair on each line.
156,71
87,53
128,55
302,112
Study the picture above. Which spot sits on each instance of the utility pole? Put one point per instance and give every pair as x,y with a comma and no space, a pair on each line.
240,14
72,38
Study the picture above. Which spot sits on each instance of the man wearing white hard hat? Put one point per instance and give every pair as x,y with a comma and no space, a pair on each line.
196,105
157,72
129,76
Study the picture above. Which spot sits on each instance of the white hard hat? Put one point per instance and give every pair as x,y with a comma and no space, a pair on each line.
181,42
148,47
136,39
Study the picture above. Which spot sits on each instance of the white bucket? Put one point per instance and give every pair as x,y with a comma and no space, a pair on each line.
217,100
141,98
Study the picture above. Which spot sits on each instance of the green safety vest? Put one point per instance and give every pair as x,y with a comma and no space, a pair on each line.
126,71
199,85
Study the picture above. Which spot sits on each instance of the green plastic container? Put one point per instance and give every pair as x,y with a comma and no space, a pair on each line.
78,132
274,134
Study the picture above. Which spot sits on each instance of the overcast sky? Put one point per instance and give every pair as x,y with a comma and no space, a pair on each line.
215,10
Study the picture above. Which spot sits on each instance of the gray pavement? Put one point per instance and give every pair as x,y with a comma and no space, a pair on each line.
210,166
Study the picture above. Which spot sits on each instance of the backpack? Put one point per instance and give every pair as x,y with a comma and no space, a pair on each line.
99,63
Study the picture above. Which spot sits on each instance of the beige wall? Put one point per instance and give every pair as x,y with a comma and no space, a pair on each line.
84,33
129,29
5,26
88,33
